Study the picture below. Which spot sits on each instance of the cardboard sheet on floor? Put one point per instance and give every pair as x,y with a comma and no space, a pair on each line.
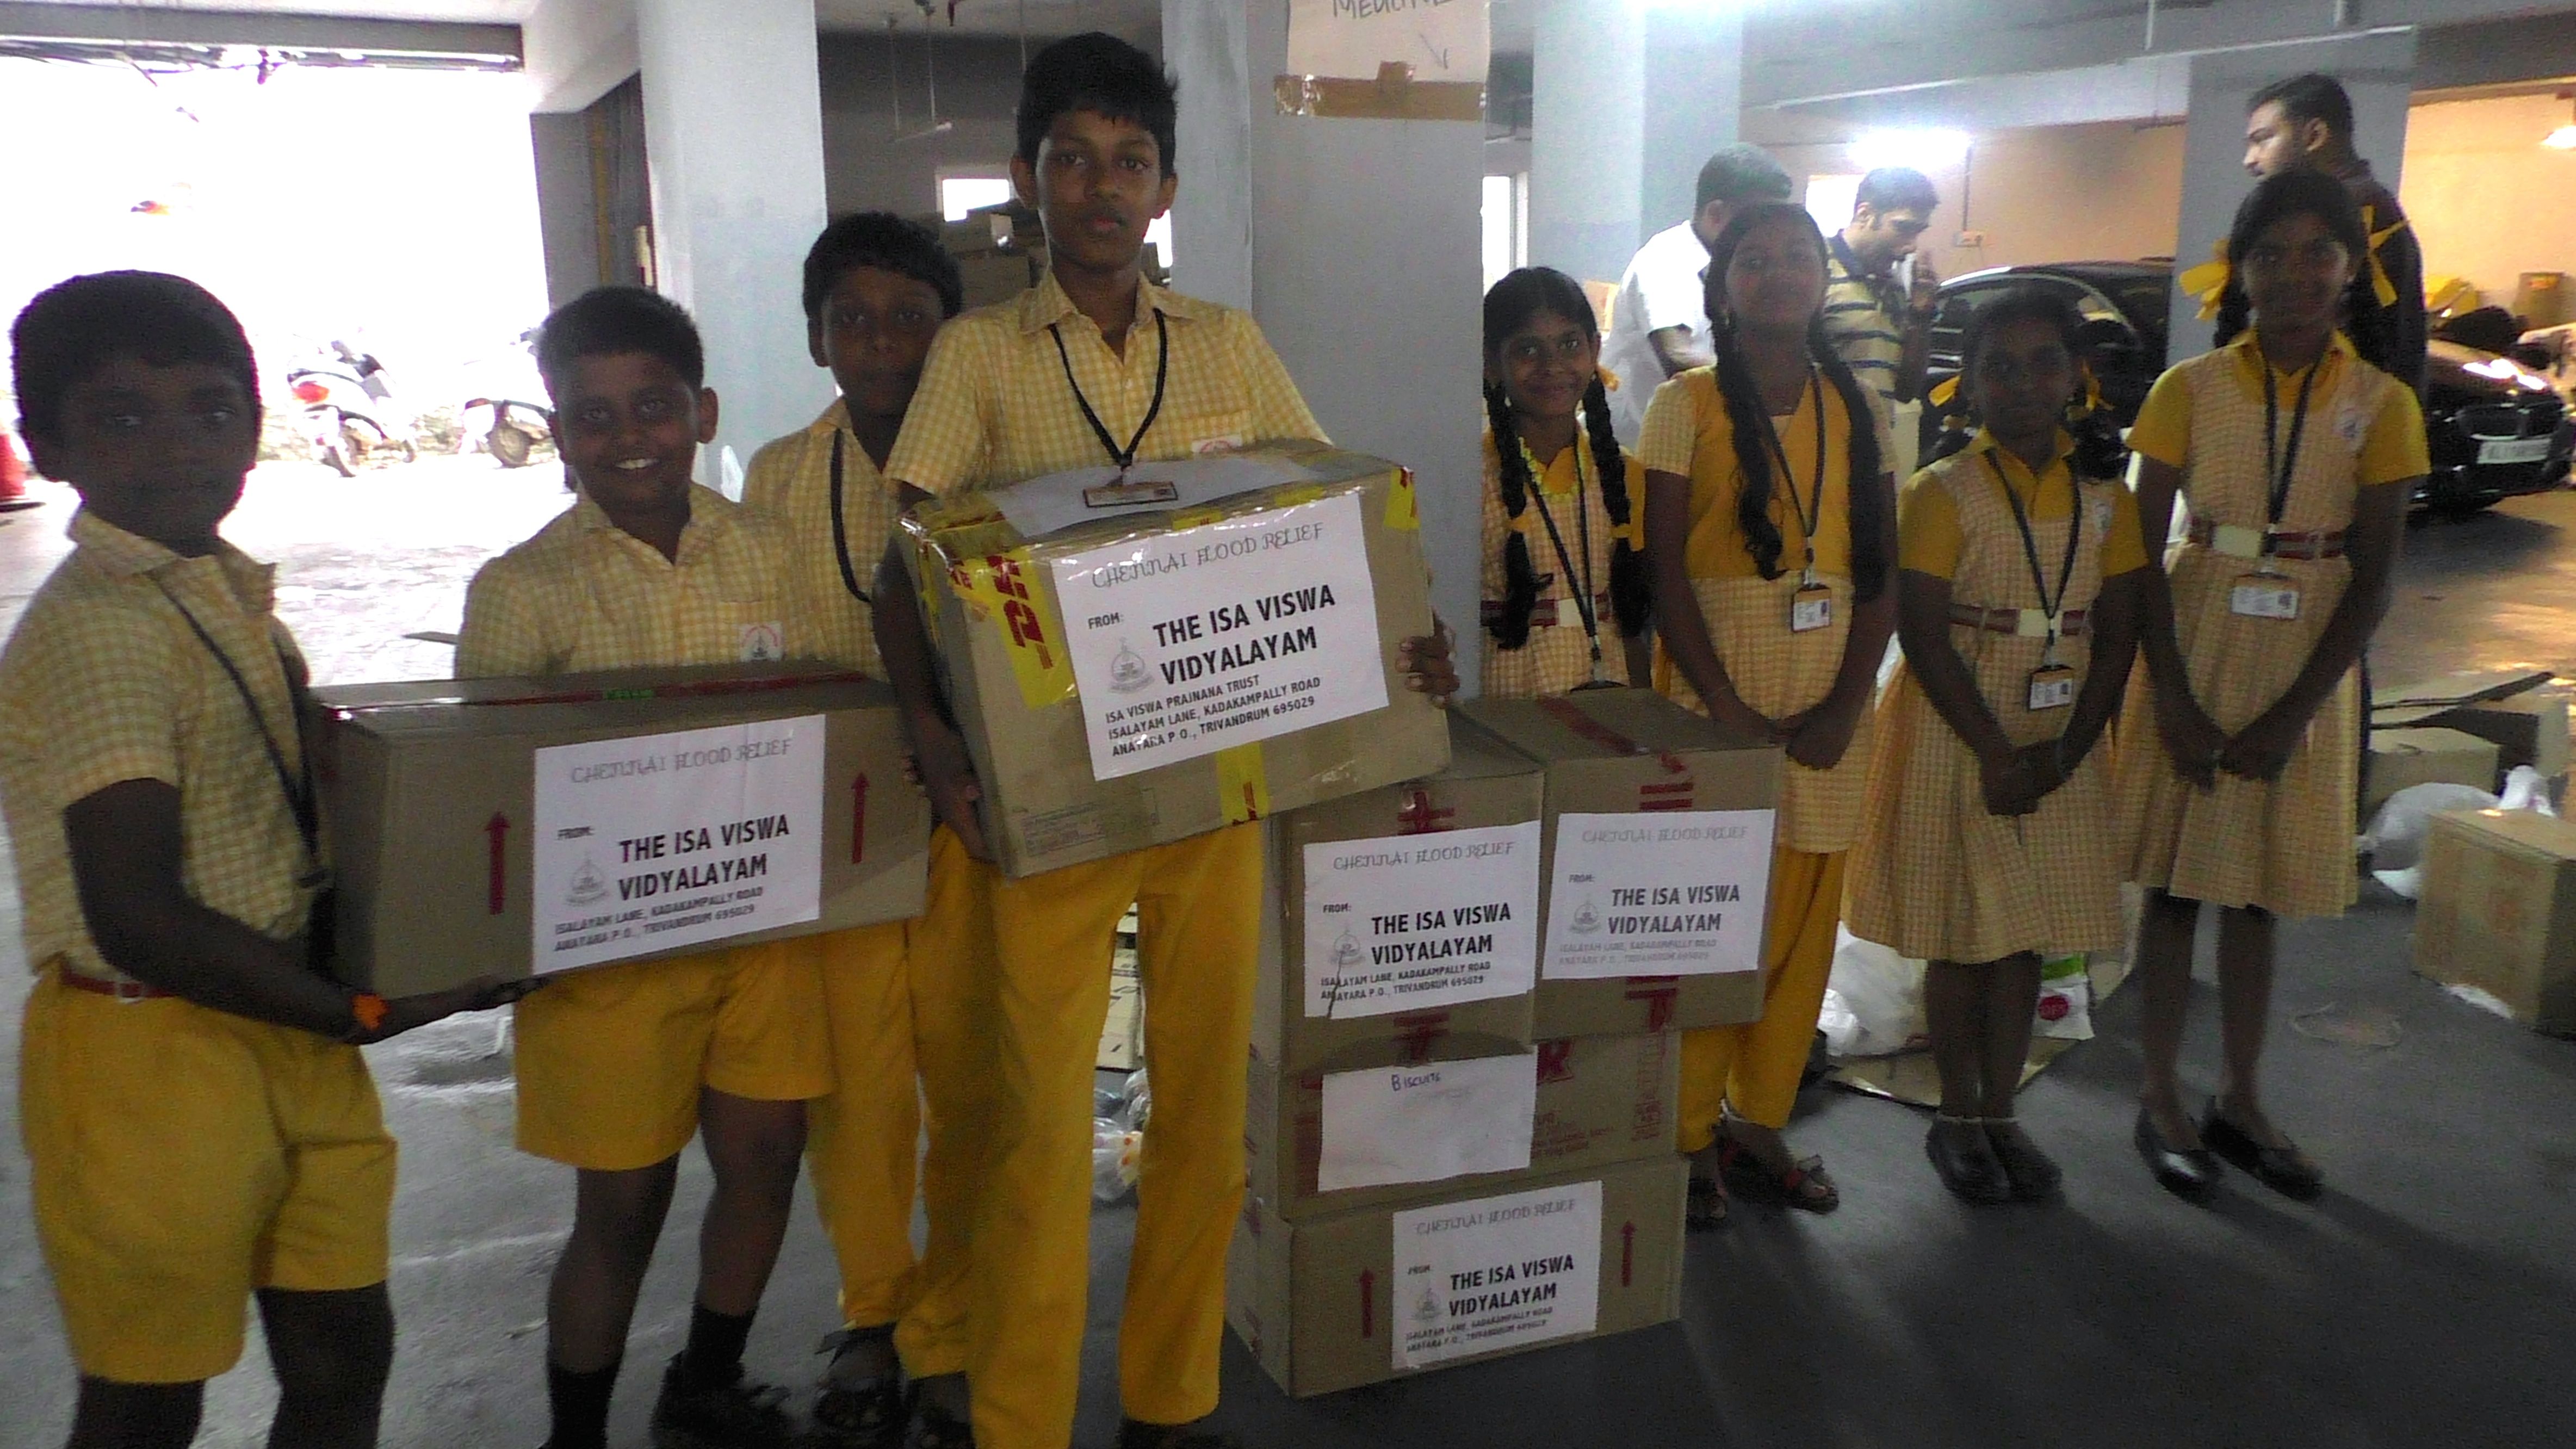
1911,1078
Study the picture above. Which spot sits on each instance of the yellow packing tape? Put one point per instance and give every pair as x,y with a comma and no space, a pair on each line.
1242,784
1005,588
1403,514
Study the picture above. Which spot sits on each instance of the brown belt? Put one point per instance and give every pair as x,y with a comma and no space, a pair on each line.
126,991
1542,615
2028,623
2238,541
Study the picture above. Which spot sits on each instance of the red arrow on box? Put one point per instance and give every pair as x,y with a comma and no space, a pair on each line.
496,886
858,819
1627,1252
1368,1303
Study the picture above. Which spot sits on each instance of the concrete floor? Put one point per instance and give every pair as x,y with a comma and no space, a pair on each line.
2418,1304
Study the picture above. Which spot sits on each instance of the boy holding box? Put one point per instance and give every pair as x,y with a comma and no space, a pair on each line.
619,1066
1095,365
877,288
200,1125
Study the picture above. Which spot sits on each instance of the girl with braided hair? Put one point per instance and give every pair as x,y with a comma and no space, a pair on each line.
2297,455
1565,600
1770,540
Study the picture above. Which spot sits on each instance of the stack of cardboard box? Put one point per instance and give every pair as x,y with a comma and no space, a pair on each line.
2468,729
1465,1062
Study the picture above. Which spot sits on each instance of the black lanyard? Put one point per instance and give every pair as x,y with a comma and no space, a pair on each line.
1811,514
298,791
2282,469
1583,525
841,531
1125,457
2030,542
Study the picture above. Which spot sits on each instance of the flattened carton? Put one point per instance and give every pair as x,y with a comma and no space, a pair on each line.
1403,913
1355,1298
1657,861
1138,657
518,827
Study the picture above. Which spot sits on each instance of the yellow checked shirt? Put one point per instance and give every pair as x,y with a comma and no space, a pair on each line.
104,682
2387,446
1929,539
835,545
994,405
585,594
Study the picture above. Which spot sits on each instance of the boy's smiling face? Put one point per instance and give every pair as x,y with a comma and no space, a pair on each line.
161,452
874,332
1097,185
629,425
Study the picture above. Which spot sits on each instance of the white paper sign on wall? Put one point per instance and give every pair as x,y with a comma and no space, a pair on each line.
656,841
1500,1272
1191,642
1443,40
1403,922
1427,1123
1678,893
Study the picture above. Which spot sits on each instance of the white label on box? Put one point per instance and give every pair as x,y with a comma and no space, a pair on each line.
1041,505
1442,40
1679,893
1188,643
1503,1272
1404,922
655,841
1428,1123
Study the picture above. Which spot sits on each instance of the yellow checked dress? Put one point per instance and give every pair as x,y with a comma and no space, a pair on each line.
1558,657
1935,875
2285,846
1753,1069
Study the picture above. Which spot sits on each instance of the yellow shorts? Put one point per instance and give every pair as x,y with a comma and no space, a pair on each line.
611,1060
184,1157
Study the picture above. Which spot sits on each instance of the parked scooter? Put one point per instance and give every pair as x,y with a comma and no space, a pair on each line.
350,413
507,417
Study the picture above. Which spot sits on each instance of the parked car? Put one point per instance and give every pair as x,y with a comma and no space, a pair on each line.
2496,429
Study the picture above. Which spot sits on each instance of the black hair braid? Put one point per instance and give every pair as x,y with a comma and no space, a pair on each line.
1746,420
2235,312
1632,599
1870,526
1511,629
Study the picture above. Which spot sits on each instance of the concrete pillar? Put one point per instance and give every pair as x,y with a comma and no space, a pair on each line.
1355,244
2376,70
1627,101
733,126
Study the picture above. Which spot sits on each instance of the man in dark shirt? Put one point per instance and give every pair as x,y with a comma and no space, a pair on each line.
2307,121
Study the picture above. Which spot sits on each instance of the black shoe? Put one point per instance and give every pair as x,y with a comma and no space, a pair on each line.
869,1415
2033,1175
2192,1176
2284,1169
1137,1434
735,1412
935,1428
1966,1161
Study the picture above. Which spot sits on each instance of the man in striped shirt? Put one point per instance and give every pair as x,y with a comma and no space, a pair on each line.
1881,329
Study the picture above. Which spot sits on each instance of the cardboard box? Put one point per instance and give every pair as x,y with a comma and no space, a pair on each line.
2400,758
2499,911
1657,861
1136,659
1122,1032
1571,1105
2529,728
1335,1302
2415,703
523,826
1404,885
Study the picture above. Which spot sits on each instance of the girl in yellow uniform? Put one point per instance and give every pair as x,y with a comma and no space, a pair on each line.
1565,598
1988,838
2297,458
1769,540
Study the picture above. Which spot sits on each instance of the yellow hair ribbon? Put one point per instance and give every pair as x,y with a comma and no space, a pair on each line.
2208,281
1609,379
2380,285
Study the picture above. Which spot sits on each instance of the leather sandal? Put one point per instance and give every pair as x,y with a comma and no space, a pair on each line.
1805,1186
2191,1174
870,1415
2284,1169
2033,1174
1704,1207
1965,1159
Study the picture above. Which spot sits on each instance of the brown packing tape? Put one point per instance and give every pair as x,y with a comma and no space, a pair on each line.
1394,96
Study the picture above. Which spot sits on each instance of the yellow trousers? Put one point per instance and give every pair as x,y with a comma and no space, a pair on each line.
1754,1066
1199,906
906,998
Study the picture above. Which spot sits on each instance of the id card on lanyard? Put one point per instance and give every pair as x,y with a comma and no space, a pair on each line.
2268,593
1811,607
2052,684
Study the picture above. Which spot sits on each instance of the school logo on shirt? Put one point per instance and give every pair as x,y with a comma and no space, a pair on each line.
1209,447
2101,517
762,643
2350,425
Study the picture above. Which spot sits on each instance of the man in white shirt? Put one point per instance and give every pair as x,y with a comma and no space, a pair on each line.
1659,324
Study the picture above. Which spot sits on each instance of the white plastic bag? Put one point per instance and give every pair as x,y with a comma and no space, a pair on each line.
1115,1151
2065,1008
2395,840
1876,999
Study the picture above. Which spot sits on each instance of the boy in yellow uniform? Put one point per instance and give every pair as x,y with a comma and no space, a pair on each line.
201,1127
1096,365
619,1066
877,288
